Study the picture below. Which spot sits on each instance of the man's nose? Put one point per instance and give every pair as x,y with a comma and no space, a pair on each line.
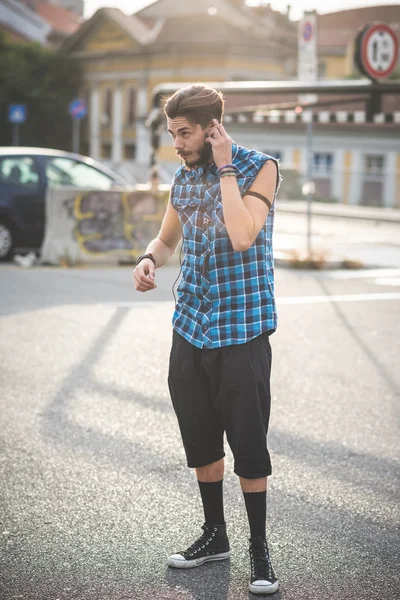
178,143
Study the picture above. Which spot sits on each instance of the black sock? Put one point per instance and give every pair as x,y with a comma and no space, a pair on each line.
213,504
256,506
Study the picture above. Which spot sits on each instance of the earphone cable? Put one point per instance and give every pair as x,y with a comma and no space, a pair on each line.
180,259
180,265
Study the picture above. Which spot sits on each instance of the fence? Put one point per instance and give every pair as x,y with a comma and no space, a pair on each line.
359,187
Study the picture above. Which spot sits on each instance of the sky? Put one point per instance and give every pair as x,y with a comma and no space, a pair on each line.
322,6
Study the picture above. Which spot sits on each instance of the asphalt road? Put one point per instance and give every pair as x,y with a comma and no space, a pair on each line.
94,489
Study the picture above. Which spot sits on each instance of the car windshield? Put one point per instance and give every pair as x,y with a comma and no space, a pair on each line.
63,172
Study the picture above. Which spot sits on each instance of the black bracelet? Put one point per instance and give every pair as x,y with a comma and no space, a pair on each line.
148,255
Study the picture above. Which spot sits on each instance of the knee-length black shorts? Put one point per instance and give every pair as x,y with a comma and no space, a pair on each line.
223,390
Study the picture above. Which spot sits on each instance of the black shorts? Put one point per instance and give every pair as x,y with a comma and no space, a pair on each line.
223,389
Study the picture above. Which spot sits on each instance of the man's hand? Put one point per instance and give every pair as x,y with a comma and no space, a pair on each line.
221,144
144,275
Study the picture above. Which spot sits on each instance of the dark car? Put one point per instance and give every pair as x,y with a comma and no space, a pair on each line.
25,176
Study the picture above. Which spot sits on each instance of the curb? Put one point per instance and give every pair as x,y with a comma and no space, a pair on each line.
339,211
295,260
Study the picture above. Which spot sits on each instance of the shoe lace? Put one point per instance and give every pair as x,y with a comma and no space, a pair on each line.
203,541
261,567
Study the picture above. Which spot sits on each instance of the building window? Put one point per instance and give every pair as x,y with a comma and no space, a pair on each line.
274,153
374,164
321,70
131,106
322,162
106,151
373,177
107,107
129,151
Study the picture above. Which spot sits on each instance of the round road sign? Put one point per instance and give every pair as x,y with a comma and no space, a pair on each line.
77,109
377,51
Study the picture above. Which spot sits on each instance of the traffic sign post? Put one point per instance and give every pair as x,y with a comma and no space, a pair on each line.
77,109
307,71
16,116
15,134
307,67
310,162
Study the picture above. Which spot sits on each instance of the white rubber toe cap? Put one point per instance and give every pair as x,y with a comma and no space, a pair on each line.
263,586
177,558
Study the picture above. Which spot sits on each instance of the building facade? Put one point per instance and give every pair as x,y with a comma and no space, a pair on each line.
126,56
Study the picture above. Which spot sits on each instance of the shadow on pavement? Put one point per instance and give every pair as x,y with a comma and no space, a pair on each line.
328,457
330,540
76,287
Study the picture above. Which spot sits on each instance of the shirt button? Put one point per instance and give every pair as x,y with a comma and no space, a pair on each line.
204,328
209,183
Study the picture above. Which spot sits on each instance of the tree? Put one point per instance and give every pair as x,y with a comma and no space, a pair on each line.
46,82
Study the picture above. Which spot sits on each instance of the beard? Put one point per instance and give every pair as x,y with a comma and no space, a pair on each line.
205,156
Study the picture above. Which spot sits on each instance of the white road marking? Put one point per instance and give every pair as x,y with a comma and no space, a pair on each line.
284,300
388,281
364,274
338,298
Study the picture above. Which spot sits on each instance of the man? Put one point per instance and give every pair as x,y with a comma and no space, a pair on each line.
222,205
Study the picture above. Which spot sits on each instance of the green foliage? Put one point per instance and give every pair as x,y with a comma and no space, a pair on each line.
46,82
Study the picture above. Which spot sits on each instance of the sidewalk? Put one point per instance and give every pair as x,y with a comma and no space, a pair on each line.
389,215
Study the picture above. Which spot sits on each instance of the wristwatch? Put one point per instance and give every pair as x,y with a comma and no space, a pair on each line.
148,255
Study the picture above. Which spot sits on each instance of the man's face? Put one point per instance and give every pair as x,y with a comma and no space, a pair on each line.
189,141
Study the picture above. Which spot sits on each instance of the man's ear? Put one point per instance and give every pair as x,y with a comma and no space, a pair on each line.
208,128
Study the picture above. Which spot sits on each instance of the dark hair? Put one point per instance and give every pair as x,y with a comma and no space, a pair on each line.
198,103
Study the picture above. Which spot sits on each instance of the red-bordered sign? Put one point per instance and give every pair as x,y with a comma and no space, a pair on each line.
378,51
307,31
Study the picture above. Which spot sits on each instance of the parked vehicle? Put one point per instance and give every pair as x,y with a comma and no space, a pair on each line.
25,176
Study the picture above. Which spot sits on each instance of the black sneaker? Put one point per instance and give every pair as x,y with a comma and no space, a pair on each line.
262,579
212,545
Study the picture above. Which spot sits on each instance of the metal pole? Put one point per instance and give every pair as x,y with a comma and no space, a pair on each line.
309,178
15,134
75,135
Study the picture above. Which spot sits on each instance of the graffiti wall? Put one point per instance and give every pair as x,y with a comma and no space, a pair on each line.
99,226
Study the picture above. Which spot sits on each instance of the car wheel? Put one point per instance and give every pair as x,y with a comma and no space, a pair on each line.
6,241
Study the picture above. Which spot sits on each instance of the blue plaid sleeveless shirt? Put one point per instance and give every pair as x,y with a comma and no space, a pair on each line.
224,297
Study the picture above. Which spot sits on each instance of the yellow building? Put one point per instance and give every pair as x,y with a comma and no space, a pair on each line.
126,56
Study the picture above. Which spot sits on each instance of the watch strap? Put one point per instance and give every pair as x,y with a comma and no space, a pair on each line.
148,255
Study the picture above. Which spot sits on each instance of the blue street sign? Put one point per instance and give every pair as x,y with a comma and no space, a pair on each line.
17,113
77,109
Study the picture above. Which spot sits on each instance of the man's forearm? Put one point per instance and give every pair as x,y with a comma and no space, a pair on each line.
160,250
238,220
